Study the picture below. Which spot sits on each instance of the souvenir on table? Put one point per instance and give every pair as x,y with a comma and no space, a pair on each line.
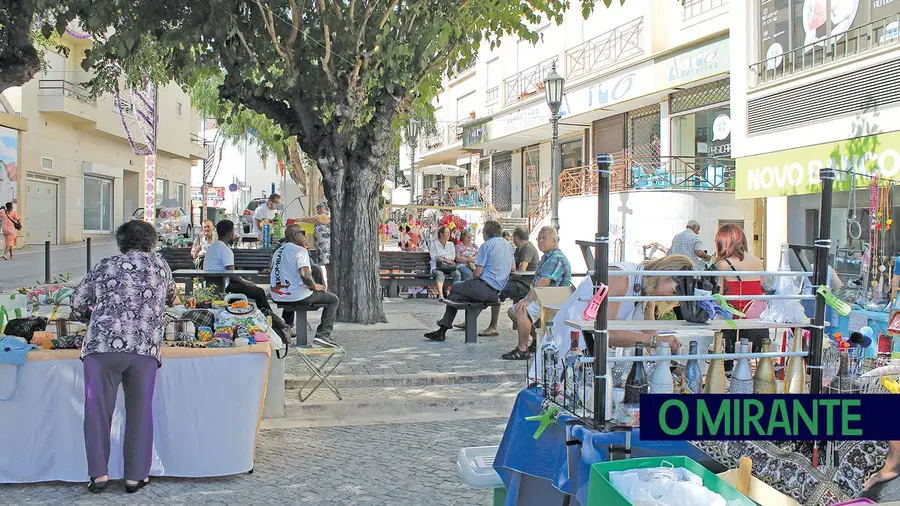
13,352
204,334
241,332
43,339
224,332
177,328
73,342
220,343
200,318
260,337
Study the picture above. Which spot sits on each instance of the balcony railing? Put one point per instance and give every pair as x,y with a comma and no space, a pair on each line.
694,8
433,141
54,87
527,82
629,173
607,49
455,132
492,95
875,35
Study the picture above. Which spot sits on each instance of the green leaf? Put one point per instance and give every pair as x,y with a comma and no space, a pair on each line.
46,30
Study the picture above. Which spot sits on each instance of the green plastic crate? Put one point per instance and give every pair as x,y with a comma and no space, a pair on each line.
499,496
602,493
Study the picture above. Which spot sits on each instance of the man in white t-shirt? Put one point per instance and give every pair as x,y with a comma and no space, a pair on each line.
291,281
265,214
220,258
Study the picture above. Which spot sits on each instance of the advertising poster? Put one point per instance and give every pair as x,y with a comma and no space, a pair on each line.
773,31
9,172
810,22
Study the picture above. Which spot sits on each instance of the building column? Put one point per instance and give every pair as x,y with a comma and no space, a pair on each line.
776,230
665,129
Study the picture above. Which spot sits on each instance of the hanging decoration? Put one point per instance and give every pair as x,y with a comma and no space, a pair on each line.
137,110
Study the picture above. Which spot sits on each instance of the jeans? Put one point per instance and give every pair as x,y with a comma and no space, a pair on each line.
465,272
884,492
474,290
103,372
329,312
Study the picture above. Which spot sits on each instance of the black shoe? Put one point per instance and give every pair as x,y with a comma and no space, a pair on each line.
134,488
532,348
324,342
97,486
437,335
515,354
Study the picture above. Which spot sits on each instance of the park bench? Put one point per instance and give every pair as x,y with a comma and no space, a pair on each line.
404,268
300,320
472,310
259,260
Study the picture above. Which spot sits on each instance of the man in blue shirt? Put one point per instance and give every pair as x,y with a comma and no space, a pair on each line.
493,266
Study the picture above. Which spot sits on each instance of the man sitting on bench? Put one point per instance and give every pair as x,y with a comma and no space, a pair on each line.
291,281
220,258
553,270
493,264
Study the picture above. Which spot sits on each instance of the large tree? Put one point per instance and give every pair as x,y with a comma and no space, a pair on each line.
339,75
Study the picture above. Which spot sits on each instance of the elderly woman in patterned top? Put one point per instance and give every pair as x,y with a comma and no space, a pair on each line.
125,298
321,255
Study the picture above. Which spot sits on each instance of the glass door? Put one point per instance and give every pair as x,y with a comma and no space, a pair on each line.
98,205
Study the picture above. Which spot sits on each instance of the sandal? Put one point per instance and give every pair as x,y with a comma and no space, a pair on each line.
137,486
485,333
515,354
97,486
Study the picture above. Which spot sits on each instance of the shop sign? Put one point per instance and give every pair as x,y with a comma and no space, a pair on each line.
706,61
475,172
214,194
476,134
796,171
521,119
721,140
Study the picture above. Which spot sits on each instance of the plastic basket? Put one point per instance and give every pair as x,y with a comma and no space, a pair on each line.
602,493
476,467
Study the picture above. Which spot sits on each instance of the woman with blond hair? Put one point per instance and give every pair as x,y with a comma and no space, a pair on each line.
732,254
207,236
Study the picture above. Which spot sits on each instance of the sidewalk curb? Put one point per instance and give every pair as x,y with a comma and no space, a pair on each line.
292,382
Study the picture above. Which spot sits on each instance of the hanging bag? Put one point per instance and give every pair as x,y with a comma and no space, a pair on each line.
686,286
13,352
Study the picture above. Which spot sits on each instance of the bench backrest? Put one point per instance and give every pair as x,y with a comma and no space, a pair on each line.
404,261
177,258
253,259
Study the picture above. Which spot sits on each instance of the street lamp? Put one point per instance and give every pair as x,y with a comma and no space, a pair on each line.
553,87
412,136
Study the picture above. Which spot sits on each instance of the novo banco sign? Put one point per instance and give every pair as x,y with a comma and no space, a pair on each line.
796,171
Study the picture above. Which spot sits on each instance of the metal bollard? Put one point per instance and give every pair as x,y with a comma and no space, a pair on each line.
46,261
88,247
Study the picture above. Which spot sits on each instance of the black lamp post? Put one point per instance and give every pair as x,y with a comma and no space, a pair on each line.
553,87
412,137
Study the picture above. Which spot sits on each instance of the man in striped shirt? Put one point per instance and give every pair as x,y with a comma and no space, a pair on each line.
688,243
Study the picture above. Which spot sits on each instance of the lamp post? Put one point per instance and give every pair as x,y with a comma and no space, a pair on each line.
412,136
553,87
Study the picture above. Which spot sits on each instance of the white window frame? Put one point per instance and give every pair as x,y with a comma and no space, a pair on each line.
179,108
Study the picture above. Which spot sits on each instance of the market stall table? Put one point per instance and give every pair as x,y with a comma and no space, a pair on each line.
207,408
217,277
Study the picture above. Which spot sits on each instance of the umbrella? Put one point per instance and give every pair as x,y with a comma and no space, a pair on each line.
442,170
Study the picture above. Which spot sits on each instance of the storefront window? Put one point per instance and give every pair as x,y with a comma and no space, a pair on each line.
162,191
532,173
703,134
572,153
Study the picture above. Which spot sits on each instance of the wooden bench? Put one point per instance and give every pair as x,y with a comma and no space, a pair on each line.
404,268
472,310
300,321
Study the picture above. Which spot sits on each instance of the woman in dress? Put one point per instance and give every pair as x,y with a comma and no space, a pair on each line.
732,255
10,223
206,237
466,251
321,255
124,298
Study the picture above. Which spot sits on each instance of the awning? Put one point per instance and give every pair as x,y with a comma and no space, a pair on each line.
442,169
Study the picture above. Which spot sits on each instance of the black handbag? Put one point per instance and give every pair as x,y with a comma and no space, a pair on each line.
691,310
26,327
445,267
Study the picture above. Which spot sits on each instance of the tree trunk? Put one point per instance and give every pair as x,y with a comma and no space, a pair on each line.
19,60
352,191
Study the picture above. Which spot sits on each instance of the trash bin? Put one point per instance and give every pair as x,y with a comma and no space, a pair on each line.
476,468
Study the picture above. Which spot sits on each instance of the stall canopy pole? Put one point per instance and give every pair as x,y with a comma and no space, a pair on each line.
820,278
601,268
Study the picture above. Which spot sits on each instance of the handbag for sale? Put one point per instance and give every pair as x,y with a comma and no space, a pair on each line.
686,286
13,352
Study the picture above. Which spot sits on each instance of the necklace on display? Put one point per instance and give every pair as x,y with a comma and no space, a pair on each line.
854,230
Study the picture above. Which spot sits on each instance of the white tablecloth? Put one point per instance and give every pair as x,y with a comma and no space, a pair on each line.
206,413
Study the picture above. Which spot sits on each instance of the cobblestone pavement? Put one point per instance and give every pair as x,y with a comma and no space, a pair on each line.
390,465
408,352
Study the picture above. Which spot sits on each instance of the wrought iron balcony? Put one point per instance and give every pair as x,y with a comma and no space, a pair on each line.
492,95
830,51
694,8
527,82
455,132
607,49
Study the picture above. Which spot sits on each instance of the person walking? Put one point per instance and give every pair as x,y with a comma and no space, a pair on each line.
10,224
689,244
321,254
123,298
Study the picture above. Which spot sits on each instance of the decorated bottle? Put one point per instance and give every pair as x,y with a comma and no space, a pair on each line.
693,378
661,380
764,380
636,383
844,383
795,377
715,373
550,356
571,360
741,377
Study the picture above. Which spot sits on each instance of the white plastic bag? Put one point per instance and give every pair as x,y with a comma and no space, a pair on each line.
781,310
663,486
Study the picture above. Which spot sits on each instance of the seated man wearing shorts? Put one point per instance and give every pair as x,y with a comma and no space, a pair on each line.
552,270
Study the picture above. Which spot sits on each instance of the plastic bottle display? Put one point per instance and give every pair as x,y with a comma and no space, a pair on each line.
661,380
844,383
693,379
764,380
636,383
741,377
715,374
795,377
